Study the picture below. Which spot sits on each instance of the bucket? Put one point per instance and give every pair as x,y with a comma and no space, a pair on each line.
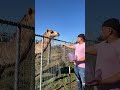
71,57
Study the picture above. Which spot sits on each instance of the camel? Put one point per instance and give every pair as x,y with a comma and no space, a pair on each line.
46,41
43,45
8,56
7,47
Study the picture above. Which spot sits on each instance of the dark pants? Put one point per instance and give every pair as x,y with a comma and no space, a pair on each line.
80,75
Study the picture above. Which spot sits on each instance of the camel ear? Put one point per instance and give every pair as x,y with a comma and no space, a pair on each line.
47,30
30,11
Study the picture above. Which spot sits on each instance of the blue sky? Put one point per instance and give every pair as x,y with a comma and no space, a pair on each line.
14,10
97,11
64,16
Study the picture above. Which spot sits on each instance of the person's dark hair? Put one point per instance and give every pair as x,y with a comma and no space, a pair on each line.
82,36
113,23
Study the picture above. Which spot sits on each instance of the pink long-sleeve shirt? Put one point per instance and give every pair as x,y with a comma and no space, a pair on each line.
79,54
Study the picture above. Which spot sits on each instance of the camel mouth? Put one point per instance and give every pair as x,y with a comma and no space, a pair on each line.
55,34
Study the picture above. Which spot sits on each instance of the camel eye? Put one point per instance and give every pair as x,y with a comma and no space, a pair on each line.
52,32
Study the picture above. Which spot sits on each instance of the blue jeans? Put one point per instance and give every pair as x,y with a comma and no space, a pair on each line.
80,75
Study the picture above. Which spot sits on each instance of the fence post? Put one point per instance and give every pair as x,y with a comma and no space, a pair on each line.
64,53
41,65
17,58
48,62
69,77
32,83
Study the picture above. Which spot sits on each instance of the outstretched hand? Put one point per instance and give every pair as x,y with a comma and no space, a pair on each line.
62,45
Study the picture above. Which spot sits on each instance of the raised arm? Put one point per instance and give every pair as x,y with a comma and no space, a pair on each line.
69,46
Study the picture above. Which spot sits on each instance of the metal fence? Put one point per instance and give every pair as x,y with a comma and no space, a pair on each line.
52,67
16,56
53,70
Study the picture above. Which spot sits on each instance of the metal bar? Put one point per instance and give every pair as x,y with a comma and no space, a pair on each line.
64,52
17,58
48,62
63,40
41,65
32,83
16,24
69,78
53,39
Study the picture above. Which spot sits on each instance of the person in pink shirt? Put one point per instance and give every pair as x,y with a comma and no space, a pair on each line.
79,62
107,71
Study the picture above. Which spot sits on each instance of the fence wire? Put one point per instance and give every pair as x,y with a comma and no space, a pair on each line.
52,68
16,55
55,67
6,60
57,72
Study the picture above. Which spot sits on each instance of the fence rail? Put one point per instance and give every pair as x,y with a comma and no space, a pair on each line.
18,24
87,40
54,39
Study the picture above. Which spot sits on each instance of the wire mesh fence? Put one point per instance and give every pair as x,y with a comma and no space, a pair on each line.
55,67
6,58
17,54
52,68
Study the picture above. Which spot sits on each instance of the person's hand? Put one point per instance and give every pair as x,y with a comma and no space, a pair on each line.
62,44
74,60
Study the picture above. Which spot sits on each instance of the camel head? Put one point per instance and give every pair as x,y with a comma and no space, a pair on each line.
29,18
50,33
